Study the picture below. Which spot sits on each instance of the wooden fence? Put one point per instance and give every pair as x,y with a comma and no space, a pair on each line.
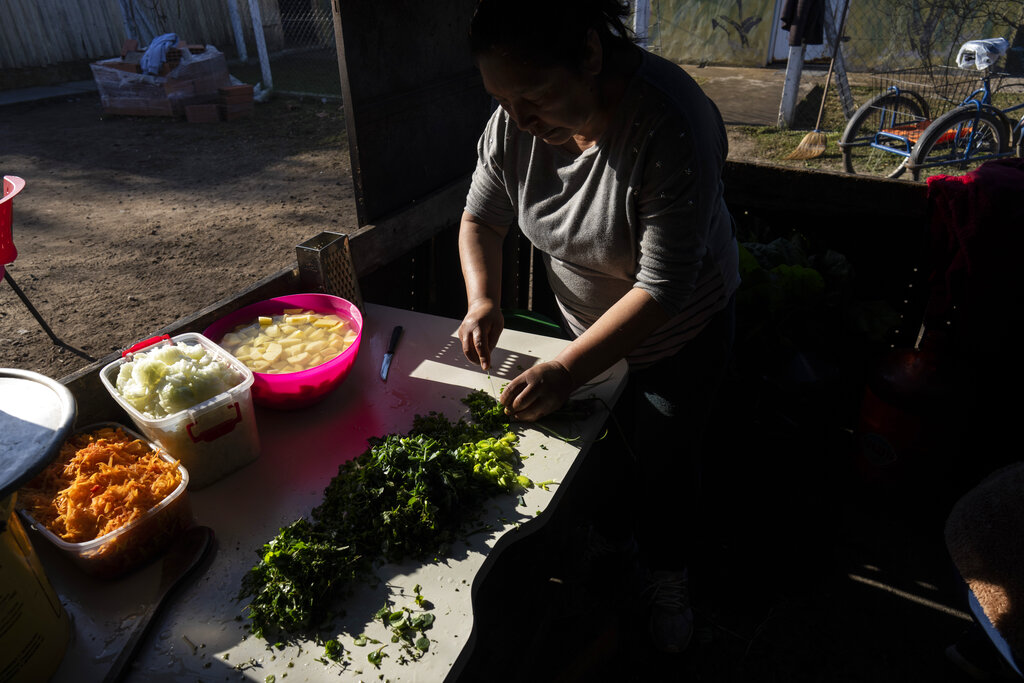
36,34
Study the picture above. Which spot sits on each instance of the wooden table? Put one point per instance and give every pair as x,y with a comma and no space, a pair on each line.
200,635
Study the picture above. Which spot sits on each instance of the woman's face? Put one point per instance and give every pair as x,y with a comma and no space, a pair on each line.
551,103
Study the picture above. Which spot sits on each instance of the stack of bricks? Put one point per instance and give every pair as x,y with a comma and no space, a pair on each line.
235,101
131,55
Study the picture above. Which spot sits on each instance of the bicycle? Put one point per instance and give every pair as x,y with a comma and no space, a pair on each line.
969,135
894,131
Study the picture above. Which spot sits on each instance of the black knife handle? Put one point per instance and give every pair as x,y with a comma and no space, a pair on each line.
395,334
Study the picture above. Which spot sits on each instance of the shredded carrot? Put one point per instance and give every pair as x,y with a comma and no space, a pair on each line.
100,482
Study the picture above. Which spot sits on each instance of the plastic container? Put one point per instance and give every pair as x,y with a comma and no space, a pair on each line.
136,543
296,389
211,439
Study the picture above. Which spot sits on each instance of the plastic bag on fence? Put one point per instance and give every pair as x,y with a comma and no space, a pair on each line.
981,54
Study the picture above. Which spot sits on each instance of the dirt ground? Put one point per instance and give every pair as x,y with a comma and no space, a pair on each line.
127,224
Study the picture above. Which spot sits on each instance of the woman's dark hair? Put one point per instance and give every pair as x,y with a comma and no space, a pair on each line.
547,32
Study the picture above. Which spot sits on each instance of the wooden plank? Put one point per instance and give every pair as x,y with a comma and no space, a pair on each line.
39,33
810,195
414,105
373,246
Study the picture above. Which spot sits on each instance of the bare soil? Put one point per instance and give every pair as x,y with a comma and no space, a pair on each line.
128,223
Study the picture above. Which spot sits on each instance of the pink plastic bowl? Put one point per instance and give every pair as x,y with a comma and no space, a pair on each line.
296,389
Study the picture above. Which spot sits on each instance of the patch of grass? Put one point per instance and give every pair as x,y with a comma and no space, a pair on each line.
771,144
312,72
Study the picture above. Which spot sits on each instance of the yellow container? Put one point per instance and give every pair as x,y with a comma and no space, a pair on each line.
34,627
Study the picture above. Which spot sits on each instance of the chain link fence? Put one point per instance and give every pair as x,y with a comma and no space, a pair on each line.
302,52
879,34
901,34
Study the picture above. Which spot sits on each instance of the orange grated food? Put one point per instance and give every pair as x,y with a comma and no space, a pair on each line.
100,482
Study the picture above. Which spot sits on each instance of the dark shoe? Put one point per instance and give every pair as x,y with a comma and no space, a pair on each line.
671,620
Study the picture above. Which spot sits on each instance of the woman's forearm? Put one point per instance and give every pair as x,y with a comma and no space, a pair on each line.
621,329
480,256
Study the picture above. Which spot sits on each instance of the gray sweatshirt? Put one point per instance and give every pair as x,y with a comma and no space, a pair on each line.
642,207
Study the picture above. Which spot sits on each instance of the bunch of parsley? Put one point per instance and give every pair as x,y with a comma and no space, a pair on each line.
407,496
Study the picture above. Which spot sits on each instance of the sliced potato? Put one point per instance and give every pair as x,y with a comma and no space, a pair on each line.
295,340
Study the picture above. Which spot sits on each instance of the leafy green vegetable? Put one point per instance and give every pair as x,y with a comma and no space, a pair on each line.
300,564
407,629
407,496
333,650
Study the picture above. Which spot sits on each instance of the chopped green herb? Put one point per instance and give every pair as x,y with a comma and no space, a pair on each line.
333,650
376,657
407,496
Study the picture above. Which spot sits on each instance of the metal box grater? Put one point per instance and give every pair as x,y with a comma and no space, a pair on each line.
325,265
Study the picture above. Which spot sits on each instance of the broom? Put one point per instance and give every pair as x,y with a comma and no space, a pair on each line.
814,143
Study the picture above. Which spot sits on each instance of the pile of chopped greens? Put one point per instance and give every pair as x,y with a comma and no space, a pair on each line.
406,497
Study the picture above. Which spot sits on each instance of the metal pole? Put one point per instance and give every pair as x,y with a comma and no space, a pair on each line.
261,43
236,26
642,22
39,319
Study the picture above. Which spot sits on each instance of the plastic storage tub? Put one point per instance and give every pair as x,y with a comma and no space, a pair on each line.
211,439
136,543
297,389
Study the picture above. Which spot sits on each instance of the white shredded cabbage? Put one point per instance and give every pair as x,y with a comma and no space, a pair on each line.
173,378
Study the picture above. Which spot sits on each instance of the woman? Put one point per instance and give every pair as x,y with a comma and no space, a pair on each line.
609,159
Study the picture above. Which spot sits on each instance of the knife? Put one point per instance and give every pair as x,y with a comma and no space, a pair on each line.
390,353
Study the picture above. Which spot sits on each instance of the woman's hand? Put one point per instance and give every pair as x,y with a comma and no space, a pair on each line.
539,391
480,330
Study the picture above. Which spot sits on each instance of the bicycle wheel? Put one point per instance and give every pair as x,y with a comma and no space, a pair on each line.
881,127
959,140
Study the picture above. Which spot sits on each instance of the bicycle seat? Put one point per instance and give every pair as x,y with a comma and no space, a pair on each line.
981,54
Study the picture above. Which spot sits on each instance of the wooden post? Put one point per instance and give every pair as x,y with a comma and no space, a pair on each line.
791,88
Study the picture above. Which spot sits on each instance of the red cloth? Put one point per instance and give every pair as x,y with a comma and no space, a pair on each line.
977,242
